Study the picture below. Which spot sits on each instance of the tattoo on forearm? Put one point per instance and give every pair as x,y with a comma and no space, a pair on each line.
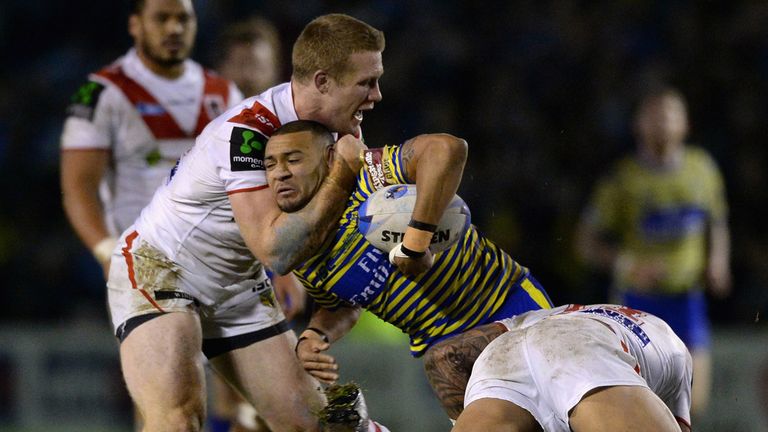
407,154
448,364
299,240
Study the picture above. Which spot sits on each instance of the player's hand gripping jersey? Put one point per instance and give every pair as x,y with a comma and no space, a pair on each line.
471,283
147,122
548,367
186,246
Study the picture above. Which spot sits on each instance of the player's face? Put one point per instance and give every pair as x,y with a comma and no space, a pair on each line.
251,66
662,123
347,98
164,31
296,167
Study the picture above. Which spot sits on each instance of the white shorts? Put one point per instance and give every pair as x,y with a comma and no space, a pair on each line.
549,367
142,281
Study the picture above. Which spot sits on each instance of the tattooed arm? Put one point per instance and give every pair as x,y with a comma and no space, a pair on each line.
448,364
282,240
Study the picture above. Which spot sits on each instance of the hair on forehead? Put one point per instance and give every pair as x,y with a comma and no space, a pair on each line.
315,128
656,92
135,6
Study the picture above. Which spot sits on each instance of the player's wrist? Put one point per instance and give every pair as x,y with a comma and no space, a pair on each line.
416,239
342,179
311,333
316,333
401,251
102,251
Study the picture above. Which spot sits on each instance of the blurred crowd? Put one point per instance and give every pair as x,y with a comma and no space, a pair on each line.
543,91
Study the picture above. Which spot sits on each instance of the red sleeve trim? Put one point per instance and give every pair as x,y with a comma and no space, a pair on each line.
251,189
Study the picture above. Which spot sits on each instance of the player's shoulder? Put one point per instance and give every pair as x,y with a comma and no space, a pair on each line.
698,156
96,87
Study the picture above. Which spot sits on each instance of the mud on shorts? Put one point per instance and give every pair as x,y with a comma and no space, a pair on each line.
549,367
144,284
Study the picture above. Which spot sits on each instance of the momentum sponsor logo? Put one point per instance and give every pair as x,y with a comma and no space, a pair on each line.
246,150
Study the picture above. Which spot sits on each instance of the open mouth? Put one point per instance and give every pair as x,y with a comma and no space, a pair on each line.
283,191
359,115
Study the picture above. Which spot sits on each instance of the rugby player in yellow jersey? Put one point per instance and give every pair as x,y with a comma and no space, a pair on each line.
659,222
429,297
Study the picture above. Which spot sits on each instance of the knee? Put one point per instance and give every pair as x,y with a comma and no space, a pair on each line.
291,417
297,422
187,418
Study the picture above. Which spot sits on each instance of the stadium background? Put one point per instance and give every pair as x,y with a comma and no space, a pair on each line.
541,90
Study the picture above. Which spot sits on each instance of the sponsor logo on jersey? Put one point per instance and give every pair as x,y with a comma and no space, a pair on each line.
674,223
396,192
374,166
84,100
150,109
246,150
397,237
214,105
624,316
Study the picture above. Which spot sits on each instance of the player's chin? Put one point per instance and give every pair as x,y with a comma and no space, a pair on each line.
290,205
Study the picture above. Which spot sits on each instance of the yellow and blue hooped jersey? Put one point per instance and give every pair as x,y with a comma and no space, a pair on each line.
662,214
471,283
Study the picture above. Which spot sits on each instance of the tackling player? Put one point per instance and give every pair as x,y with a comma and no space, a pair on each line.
189,273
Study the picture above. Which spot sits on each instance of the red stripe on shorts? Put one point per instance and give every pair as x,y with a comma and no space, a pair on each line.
131,273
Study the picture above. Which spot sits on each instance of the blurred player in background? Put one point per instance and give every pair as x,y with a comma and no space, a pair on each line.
189,274
659,222
428,297
570,368
132,120
251,55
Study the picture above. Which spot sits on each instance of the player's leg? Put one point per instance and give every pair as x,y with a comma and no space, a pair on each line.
686,314
269,376
228,411
495,415
622,408
163,370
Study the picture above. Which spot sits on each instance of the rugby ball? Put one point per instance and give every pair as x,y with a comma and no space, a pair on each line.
384,216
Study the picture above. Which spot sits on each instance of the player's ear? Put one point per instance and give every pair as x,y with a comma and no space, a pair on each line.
322,81
134,26
328,155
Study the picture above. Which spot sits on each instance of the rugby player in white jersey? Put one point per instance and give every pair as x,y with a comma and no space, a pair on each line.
571,368
189,276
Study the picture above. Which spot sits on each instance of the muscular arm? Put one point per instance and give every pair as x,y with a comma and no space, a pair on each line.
335,323
81,172
284,240
435,163
311,351
448,364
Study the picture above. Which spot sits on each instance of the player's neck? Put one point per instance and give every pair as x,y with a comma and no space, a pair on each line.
665,157
165,71
306,106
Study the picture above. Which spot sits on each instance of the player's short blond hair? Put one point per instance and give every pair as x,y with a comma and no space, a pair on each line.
327,42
